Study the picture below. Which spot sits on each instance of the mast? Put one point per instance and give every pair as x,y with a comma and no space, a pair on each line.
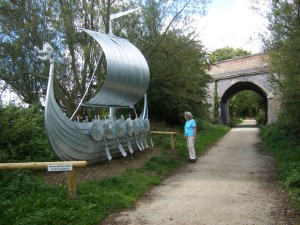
112,111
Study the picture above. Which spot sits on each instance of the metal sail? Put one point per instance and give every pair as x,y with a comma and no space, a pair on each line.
127,77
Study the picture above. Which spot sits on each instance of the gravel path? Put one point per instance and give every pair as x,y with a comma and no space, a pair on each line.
232,184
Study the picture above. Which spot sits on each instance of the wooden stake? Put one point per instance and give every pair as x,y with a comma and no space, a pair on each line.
44,165
72,183
167,133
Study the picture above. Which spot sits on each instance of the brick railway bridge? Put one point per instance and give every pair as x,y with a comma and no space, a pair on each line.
239,74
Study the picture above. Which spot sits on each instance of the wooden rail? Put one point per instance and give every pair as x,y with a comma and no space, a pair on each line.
45,165
173,134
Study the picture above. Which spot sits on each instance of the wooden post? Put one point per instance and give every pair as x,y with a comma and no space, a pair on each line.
72,182
167,133
44,165
172,142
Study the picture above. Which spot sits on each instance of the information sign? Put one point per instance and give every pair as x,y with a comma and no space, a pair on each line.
66,167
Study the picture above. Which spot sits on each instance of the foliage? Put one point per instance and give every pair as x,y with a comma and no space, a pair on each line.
283,49
25,199
161,30
227,53
234,122
175,58
23,27
23,135
216,103
261,118
57,22
246,104
183,67
286,150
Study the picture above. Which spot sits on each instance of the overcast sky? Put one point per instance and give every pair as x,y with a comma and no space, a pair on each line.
232,23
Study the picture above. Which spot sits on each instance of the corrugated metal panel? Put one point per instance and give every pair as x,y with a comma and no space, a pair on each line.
127,78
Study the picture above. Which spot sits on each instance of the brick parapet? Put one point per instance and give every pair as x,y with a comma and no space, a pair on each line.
243,65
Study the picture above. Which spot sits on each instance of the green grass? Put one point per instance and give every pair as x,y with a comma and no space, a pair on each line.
286,150
236,121
25,199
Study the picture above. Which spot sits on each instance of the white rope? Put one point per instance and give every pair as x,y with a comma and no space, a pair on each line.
87,89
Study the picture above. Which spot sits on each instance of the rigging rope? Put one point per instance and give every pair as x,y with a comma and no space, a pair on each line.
87,89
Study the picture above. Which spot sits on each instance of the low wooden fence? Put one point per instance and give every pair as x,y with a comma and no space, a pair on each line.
69,166
173,134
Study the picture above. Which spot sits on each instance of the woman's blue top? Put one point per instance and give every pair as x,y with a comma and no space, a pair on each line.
189,127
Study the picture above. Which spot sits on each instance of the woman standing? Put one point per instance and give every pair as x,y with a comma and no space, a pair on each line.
190,131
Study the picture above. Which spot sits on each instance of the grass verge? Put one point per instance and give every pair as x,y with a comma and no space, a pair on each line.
286,150
25,199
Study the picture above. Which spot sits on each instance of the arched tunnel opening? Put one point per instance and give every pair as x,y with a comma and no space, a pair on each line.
240,94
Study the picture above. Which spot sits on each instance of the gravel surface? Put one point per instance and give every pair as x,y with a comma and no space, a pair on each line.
232,184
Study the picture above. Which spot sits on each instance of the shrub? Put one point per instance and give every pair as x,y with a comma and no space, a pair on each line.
23,135
286,149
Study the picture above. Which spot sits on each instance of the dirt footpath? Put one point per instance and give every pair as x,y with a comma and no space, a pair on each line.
232,184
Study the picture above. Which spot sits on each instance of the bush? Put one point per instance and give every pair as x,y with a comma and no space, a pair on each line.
293,180
261,119
286,149
23,135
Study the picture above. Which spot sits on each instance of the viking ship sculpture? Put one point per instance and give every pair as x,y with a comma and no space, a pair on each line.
127,80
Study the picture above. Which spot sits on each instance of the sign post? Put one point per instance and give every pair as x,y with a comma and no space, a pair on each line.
68,166
72,183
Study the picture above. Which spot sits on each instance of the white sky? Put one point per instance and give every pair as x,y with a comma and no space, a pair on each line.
232,23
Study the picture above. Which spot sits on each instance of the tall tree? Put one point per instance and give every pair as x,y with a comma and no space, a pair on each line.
162,31
22,28
32,22
178,79
283,48
175,58
227,53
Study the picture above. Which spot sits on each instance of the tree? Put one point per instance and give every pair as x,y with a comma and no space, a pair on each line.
227,53
175,58
178,84
161,24
32,22
246,104
22,27
283,49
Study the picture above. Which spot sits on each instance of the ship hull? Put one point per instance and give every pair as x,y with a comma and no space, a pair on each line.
72,140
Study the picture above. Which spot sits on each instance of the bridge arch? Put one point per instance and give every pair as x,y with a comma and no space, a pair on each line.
244,73
235,89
